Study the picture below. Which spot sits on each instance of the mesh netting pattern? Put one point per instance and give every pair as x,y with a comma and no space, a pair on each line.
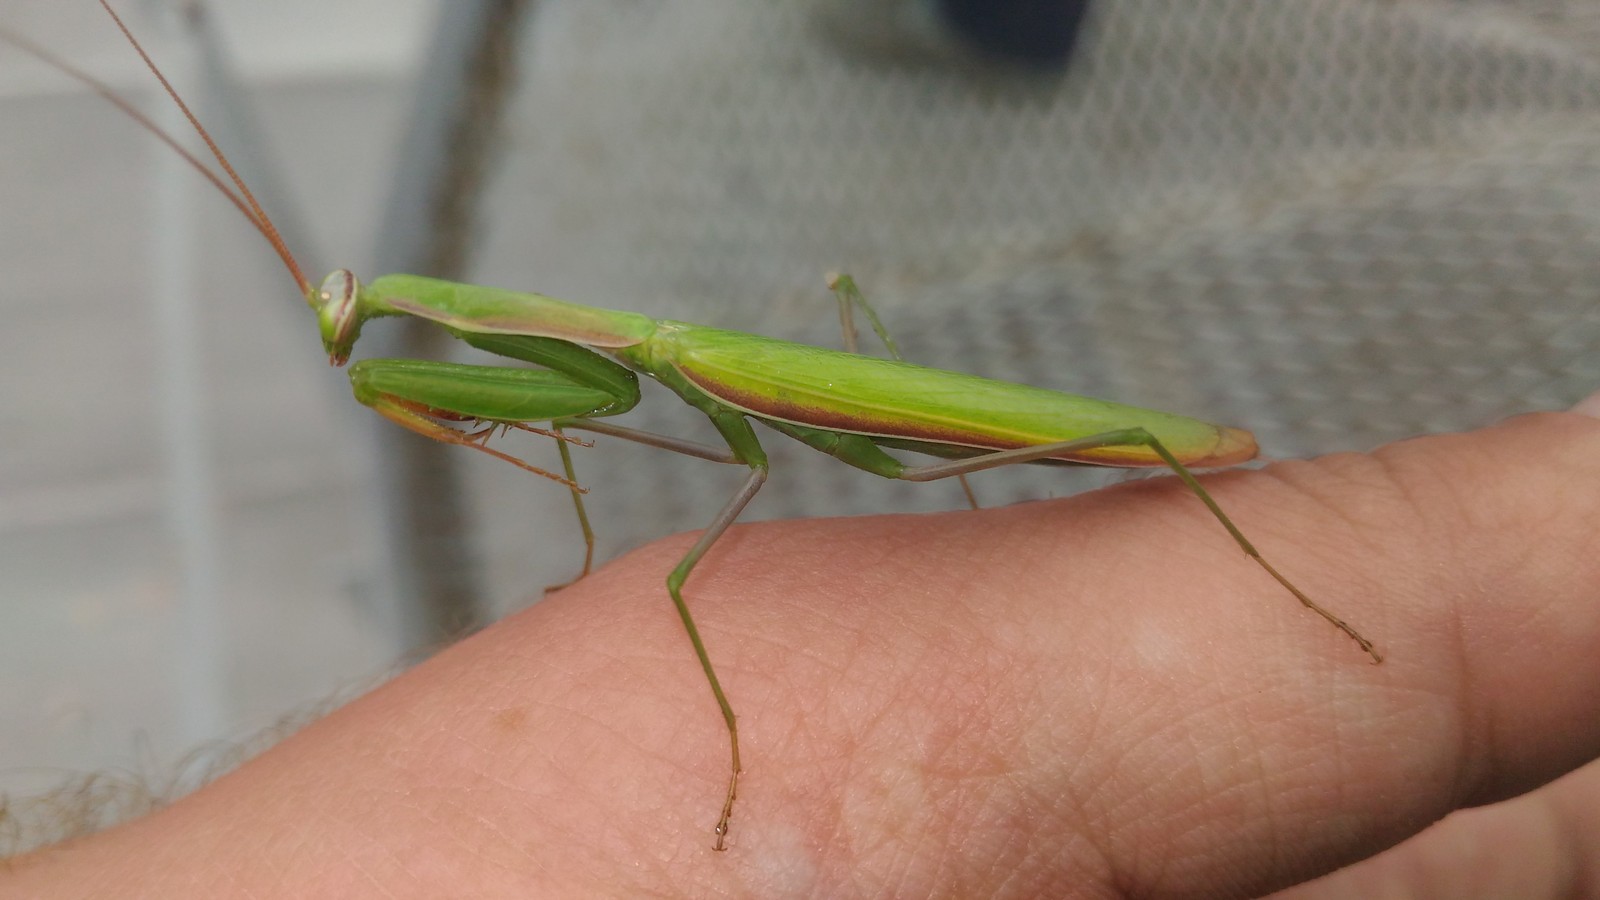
1334,222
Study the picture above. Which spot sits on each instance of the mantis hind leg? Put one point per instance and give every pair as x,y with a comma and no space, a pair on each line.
849,295
1250,550
1143,438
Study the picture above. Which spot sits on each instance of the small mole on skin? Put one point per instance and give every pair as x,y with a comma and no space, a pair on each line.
510,719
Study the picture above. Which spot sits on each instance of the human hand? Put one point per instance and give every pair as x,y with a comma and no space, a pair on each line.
1095,696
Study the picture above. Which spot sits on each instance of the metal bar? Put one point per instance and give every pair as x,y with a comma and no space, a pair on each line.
425,554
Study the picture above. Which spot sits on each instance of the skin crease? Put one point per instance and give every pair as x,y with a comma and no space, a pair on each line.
1092,697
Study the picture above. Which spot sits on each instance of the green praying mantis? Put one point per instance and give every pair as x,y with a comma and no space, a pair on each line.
849,406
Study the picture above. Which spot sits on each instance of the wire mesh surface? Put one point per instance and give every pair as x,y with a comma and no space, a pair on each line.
1335,223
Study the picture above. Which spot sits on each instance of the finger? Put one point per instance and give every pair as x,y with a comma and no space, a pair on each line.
1230,743
1542,844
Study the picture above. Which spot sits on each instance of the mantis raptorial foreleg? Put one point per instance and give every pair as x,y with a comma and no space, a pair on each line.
427,421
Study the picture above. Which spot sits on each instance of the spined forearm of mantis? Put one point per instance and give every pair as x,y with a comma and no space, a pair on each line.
846,405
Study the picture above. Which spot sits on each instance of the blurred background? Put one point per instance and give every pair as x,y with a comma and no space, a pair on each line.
1336,223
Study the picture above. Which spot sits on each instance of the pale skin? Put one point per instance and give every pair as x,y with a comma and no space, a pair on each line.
1091,697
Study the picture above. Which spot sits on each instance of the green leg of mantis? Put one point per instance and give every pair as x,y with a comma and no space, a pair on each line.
849,295
872,459
746,448
577,504
730,511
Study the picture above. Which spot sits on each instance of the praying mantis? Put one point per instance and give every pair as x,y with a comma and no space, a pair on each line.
849,406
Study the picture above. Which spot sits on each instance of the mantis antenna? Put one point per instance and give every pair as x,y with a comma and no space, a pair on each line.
239,194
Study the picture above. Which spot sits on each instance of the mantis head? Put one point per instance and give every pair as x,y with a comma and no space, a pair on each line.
338,307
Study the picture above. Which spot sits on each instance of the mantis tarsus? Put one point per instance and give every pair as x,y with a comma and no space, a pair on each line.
849,406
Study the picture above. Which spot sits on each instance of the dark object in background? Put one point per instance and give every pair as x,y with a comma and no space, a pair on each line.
1033,32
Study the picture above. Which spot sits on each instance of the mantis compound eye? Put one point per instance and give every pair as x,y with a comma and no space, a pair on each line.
338,307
